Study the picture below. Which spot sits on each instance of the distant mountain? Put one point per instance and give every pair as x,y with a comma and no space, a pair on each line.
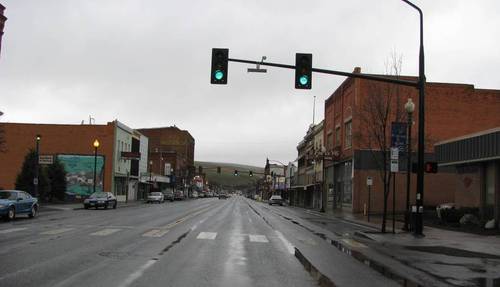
227,177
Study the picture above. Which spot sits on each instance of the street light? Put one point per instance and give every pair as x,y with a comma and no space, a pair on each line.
37,155
409,107
96,145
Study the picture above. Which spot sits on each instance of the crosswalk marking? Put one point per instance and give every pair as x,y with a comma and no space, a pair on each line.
155,233
12,230
105,232
258,238
56,231
207,235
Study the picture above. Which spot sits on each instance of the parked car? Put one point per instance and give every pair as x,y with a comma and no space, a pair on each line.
100,199
168,195
202,194
13,202
155,197
223,196
194,194
276,199
178,195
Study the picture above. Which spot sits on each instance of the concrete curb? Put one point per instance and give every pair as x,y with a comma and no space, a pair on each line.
321,278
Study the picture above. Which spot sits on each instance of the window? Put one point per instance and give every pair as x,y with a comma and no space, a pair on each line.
337,136
348,134
329,141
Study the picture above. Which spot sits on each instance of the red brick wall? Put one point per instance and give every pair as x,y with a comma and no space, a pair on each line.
56,139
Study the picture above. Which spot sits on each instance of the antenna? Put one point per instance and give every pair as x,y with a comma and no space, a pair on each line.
314,107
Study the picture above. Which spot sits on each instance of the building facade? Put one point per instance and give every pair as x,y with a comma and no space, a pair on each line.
73,146
451,110
475,159
171,152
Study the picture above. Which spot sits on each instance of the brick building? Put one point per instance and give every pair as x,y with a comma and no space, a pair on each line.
171,147
451,110
2,24
118,155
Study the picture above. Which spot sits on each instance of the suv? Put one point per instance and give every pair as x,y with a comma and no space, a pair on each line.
169,195
276,199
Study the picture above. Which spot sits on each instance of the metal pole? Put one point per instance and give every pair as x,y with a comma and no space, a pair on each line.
394,204
95,167
421,129
369,201
35,180
408,175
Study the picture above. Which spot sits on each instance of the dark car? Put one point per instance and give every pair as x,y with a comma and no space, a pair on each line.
276,199
100,199
222,196
169,195
178,195
13,202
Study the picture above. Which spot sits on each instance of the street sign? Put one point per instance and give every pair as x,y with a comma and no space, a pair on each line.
369,181
45,159
398,135
394,165
35,181
394,153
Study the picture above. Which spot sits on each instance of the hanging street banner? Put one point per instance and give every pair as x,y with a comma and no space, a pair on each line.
398,136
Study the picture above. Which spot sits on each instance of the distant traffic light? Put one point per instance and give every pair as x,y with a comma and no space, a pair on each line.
235,172
200,169
218,74
431,167
218,169
303,71
250,173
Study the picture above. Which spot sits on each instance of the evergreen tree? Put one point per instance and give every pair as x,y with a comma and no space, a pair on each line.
24,180
57,180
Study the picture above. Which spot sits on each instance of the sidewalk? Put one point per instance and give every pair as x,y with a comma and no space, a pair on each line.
455,258
77,206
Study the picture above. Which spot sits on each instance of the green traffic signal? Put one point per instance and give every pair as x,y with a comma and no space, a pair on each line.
303,71
303,80
219,74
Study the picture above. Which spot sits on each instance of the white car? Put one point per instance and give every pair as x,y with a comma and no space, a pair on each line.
155,197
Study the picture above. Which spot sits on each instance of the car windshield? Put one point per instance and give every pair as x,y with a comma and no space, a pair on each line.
156,194
99,195
8,195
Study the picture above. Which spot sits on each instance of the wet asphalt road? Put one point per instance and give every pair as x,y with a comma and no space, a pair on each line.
204,242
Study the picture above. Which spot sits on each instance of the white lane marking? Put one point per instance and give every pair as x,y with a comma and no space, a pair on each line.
288,245
12,230
56,231
207,235
138,273
258,238
105,232
197,224
155,233
353,243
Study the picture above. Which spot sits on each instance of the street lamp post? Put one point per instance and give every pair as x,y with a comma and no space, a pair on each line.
96,145
409,107
37,155
421,130
150,173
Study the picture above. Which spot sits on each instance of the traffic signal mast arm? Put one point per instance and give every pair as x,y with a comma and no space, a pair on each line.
332,72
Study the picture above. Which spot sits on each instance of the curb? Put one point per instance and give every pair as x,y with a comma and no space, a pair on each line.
321,278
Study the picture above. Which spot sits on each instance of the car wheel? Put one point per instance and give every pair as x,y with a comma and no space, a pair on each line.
33,212
11,214
114,205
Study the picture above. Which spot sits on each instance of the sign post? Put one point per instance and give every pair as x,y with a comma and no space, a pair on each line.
369,183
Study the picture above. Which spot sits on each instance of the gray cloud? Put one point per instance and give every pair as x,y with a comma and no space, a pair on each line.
147,63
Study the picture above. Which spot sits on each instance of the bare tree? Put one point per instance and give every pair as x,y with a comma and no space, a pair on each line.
380,108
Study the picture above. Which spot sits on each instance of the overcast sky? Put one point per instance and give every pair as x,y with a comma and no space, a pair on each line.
147,62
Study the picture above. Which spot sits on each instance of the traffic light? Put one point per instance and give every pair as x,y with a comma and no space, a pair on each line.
303,71
250,173
218,169
218,74
200,169
431,167
235,172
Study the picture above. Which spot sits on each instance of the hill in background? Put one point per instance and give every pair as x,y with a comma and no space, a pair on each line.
226,178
